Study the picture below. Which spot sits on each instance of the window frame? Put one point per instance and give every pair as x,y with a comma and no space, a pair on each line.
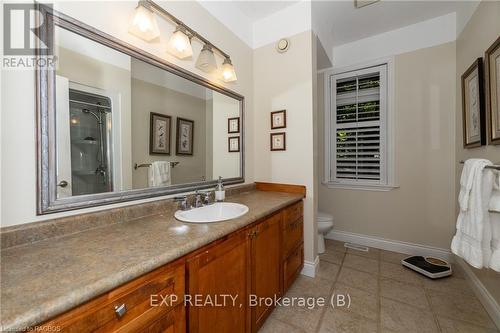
387,146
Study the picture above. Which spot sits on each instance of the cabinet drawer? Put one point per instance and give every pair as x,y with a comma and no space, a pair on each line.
292,235
294,212
134,298
172,322
292,266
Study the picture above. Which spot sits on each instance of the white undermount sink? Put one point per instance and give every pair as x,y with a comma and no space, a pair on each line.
219,211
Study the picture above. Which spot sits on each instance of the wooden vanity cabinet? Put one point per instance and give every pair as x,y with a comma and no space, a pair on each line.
293,243
171,322
261,261
209,288
128,308
218,275
265,267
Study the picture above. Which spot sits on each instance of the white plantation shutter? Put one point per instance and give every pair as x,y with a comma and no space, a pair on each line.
358,126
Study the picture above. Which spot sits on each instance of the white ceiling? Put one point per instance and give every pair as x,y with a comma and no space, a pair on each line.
256,10
338,21
348,24
240,16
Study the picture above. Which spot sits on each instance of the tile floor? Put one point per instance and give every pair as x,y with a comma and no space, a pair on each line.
385,297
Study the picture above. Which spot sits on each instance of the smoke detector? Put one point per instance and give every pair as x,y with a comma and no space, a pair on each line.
283,45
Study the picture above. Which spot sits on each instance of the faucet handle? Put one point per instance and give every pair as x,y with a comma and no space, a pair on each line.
183,202
206,197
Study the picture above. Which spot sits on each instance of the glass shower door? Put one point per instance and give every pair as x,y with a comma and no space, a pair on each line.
90,132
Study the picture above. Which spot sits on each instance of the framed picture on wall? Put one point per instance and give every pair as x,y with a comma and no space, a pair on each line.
185,136
233,125
278,141
233,144
278,119
159,134
492,71
473,113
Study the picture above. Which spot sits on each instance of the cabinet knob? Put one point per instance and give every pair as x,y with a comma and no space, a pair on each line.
120,310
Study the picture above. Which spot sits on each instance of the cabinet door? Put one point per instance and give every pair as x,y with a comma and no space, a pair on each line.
293,228
266,272
219,285
292,266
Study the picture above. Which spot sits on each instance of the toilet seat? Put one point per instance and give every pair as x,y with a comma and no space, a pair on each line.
324,227
324,217
324,222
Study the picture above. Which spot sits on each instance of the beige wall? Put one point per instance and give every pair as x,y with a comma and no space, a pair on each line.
284,81
421,209
148,97
479,33
18,166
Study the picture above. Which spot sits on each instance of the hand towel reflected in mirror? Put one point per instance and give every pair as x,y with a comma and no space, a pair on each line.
159,174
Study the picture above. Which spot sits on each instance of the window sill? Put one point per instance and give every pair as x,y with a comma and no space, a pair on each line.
361,187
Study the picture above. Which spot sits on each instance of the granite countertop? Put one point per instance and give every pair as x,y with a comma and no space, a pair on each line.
44,279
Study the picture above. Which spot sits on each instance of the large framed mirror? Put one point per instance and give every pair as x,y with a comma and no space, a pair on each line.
117,124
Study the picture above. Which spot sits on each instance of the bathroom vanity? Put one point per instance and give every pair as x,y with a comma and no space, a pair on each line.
180,264
137,268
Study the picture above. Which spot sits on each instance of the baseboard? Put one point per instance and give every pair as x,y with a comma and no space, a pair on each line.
390,245
310,267
489,303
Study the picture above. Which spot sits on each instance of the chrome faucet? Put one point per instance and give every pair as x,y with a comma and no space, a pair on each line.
197,201
183,202
206,198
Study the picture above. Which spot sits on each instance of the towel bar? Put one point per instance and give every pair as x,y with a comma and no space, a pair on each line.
147,165
494,166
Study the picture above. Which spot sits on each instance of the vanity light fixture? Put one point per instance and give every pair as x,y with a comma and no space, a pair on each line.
206,60
143,25
179,44
228,73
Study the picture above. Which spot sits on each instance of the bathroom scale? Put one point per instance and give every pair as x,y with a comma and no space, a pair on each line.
433,268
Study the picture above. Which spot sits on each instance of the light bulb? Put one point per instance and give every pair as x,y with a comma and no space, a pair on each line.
143,24
206,60
179,44
228,72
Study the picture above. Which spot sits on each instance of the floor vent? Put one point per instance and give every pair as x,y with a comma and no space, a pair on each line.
356,247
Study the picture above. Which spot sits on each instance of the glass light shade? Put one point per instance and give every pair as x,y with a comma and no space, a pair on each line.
228,72
179,44
143,24
206,60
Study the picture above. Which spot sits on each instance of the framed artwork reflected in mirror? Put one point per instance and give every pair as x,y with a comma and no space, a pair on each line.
233,125
185,135
159,134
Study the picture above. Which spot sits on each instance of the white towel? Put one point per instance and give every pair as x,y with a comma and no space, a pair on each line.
495,224
159,174
472,241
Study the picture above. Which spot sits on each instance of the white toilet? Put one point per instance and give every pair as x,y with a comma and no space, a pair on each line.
325,224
